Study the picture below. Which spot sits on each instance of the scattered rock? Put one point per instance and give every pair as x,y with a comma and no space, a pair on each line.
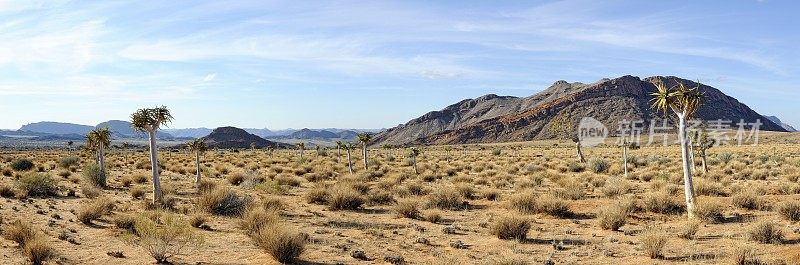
450,229
359,255
116,254
423,240
457,244
394,259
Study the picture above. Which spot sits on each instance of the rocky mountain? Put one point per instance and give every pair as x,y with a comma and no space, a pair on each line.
51,127
123,129
310,134
232,137
493,118
785,126
347,134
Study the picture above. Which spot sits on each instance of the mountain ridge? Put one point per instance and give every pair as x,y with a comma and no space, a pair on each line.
505,119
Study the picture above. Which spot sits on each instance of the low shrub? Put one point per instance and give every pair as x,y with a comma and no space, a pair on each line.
94,175
689,229
38,250
345,198
446,199
765,232
551,205
95,209
748,199
223,201
37,184
407,208
510,227
661,202
598,165
70,161
257,218
22,165
653,241
167,237
524,201
789,210
709,211
281,242
612,217
19,232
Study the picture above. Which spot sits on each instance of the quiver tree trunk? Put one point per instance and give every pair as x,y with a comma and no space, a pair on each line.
157,196
688,186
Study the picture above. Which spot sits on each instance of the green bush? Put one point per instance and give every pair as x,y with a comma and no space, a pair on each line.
598,165
94,175
22,165
37,184
69,161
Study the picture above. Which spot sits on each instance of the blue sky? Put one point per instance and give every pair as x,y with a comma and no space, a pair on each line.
371,64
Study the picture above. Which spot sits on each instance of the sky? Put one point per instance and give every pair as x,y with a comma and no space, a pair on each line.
371,64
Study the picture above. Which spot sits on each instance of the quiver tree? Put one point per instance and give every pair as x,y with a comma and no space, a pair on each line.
339,151
683,102
364,138
413,153
302,147
349,147
149,121
98,140
198,147
701,143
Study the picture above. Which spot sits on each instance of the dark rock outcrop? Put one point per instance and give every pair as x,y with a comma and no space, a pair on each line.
235,138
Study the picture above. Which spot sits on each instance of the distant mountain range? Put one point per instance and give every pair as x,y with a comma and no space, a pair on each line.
305,133
54,131
69,131
493,118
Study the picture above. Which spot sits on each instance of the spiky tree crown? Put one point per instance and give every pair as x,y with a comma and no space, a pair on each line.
679,98
146,120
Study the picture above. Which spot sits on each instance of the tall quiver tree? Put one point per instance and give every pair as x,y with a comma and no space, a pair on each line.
198,147
413,153
338,151
98,140
683,102
625,156
364,138
125,146
149,120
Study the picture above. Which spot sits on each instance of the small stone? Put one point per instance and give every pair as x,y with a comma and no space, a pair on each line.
449,229
394,259
423,240
359,255
116,254
457,244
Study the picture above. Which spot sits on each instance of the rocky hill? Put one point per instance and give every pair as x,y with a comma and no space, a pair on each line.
785,126
232,137
494,118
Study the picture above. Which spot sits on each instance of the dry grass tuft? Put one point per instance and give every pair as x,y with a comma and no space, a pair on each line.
223,201
95,209
407,208
345,198
281,242
765,232
653,241
446,199
612,217
789,210
19,232
38,250
510,227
